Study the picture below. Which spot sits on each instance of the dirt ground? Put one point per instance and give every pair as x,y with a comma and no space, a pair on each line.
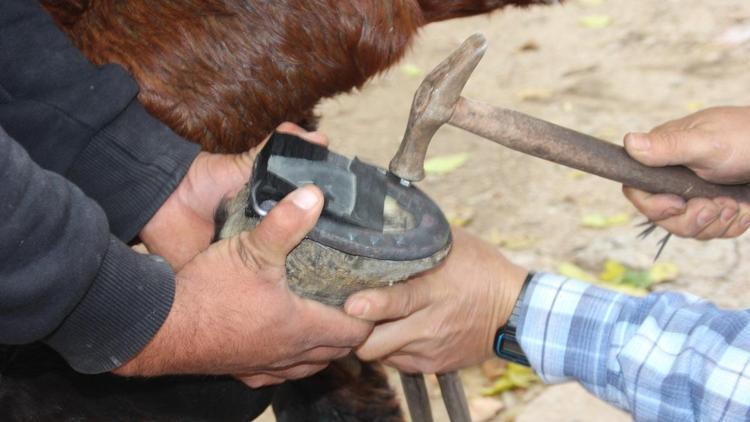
603,67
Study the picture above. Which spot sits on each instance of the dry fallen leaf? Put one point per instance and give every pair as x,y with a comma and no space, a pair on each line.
534,94
663,271
617,276
595,21
569,269
694,106
601,221
576,174
529,46
445,164
460,217
515,377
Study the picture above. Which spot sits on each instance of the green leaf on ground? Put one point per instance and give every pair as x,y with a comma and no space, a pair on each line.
412,70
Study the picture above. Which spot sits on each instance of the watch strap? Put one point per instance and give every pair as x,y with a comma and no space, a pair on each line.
506,344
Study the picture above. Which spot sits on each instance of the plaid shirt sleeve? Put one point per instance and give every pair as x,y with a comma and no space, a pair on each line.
666,356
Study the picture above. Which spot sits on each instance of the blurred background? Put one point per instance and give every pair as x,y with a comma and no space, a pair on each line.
603,67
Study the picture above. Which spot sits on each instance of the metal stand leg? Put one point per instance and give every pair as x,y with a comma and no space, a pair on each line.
454,397
417,399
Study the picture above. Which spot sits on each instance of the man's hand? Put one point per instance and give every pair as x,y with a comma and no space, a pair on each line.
184,225
445,319
234,314
715,144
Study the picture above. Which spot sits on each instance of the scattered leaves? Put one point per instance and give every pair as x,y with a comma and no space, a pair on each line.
601,221
617,276
445,164
595,21
515,377
411,70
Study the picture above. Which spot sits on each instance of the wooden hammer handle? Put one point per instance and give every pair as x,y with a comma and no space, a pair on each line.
564,146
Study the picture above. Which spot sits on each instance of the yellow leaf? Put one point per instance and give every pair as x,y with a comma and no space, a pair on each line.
663,271
445,164
694,106
613,272
515,376
601,221
576,175
569,269
595,21
411,70
460,217
625,288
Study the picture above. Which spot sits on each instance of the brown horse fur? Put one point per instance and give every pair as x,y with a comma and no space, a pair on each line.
224,73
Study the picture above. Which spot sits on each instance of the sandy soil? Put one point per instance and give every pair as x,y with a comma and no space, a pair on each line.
655,60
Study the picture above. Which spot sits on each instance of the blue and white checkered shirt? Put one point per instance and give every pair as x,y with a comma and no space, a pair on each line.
666,356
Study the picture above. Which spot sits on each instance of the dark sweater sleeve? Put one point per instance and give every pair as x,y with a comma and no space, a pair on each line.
64,279
84,122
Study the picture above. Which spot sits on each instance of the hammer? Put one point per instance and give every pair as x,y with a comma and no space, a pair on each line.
438,101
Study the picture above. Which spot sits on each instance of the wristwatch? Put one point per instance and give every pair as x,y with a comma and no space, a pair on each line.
506,344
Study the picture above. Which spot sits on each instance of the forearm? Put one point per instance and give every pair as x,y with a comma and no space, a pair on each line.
64,279
664,356
85,122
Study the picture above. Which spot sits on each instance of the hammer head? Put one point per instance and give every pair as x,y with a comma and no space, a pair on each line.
433,105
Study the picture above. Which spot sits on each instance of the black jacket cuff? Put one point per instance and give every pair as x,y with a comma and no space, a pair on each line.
120,313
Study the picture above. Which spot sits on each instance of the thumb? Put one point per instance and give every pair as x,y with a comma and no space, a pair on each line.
669,147
389,303
285,226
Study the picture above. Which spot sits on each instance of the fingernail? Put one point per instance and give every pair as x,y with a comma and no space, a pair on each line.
358,307
304,198
745,221
705,216
727,214
639,141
